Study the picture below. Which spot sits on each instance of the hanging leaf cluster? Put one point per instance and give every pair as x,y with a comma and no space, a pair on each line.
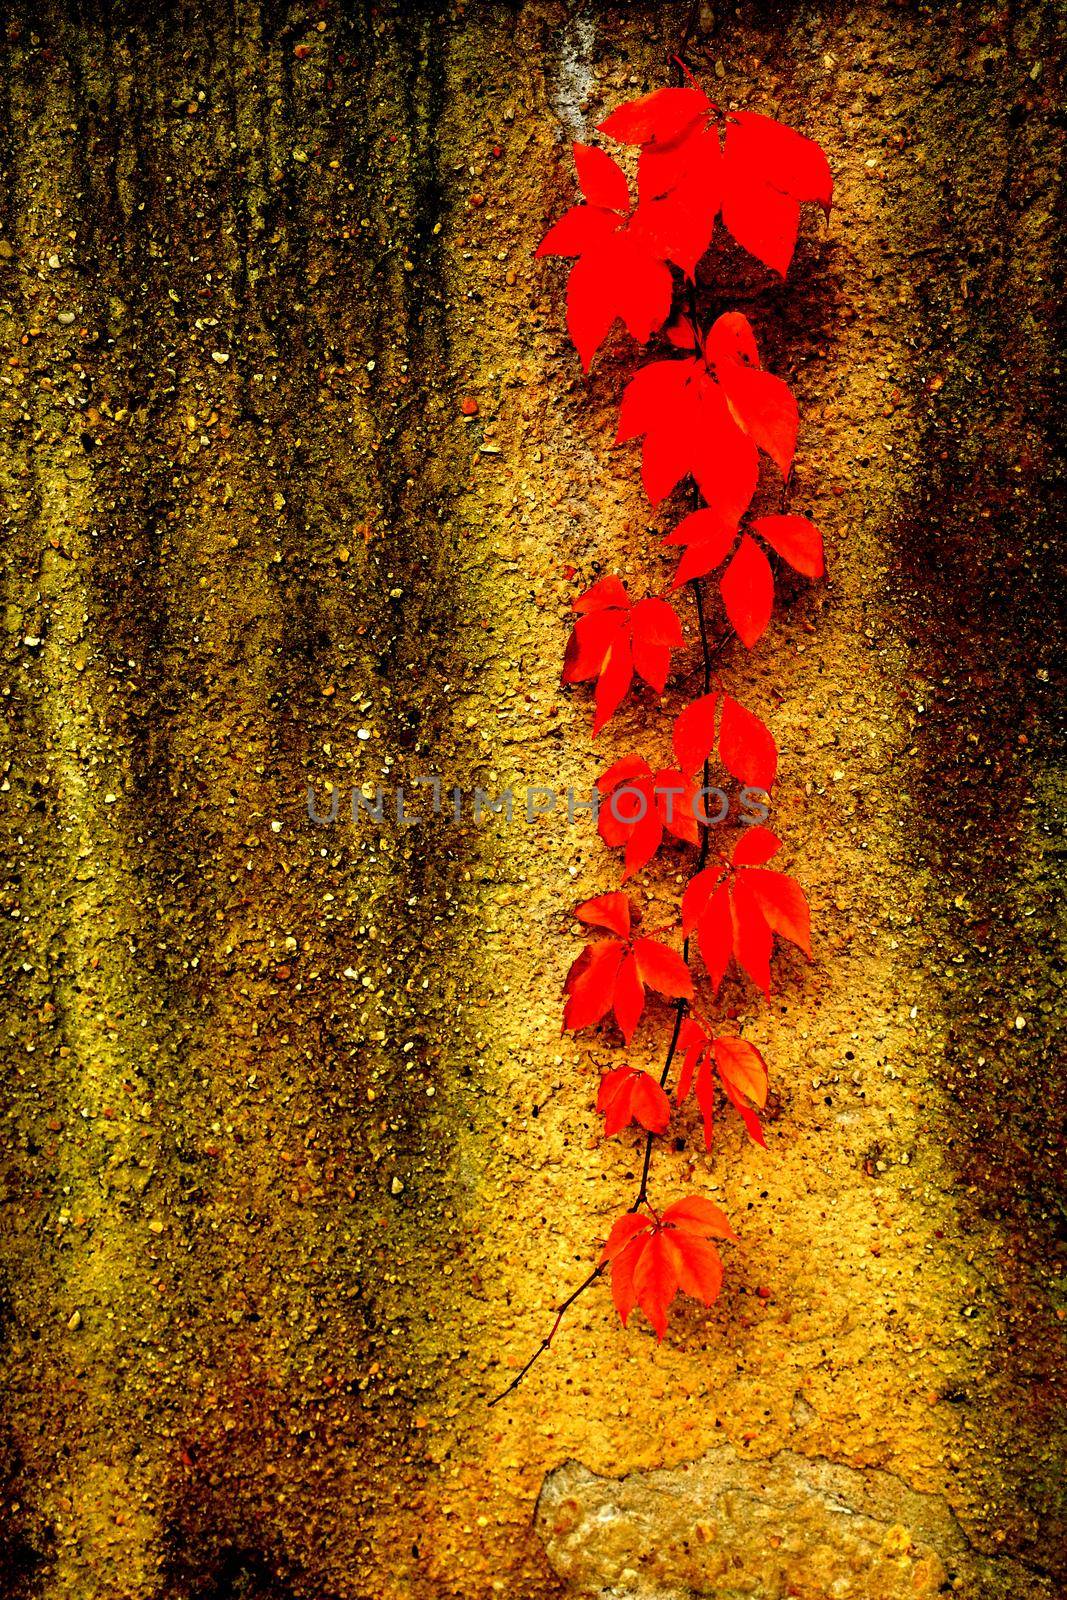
705,413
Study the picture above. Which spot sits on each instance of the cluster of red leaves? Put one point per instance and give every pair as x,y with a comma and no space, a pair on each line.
621,270
746,748
652,1257
741,1071
613,638
751,171
707,413
737,907
639,805
747,585
629,1095
612,974
704,410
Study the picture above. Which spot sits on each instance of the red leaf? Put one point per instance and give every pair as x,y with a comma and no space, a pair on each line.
622,1275
630,1095
652,662
783,904
699,1216
693,734
660,116
708,535
620,271
613,683
742,1069
651,388
698,891
651,1261
662,969
751,1122
730,339
691,1042
759,175
688,169
676,801
651,1108
578,230
640,805
669,452
645,838
678,226
682,335
796,540
767,170
764,406
617,275
590,984
752,938
706,1099
761,219
623,1232
697,561
603,966
655,392
741,1073
746,746
715,935
726,462
708,526
642,286
601,179
610,911
622,771
629,1000
589,645
656,622
697,1266
590,311
755,847
606,592
656,1281
654,632
747,588
785,159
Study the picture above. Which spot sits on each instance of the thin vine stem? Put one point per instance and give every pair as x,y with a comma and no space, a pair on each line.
676,65
561,1310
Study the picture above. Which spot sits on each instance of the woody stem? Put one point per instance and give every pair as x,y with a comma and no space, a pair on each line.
687,32
563,1307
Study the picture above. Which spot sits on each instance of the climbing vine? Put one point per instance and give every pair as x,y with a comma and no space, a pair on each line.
704,410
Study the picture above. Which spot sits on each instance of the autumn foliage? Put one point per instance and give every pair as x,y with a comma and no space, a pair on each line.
706,413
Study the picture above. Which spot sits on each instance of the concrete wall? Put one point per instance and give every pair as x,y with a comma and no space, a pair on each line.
296,1163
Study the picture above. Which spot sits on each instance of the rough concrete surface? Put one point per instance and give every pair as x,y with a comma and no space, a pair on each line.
780,1526
295,1162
